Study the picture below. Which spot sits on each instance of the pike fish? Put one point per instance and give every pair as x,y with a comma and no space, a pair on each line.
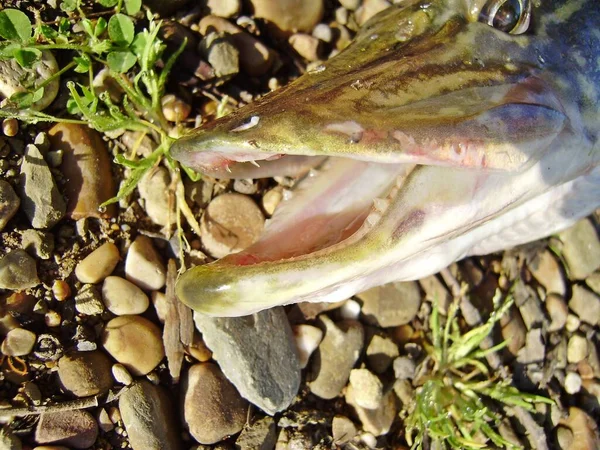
448,128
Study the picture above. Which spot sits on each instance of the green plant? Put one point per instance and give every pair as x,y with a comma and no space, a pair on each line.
459,399
108,41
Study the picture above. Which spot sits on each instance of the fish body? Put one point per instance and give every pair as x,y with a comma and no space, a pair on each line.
448,128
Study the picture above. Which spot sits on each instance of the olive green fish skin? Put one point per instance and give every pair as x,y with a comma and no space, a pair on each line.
495,134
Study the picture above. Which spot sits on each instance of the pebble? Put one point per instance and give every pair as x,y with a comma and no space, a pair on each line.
338,352
221,54
564,437
149,418
307,339
306,45
18,271
245,186
52,319
352,5
573,323
577,349
212,407
38,243
367,388
135,342
368,9
144,266
104,421
343,430
88,301
87,165
85,373
175,109
9,203
41,200
61,290
250,351
256,59
584,429
198,349
323,32
14,78
99,264
586,304
377,421
230,223
381,351
271,200
18,342
122,297
546,269
404,368
572,383
159,301
392,304
223,8
260,435
581,249
513,330
121,374
8,440
290,15
154,190
534,350
436,293
76,428
10,127
350,309
557,310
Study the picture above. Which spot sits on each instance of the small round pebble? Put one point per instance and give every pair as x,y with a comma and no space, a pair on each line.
52,318
307,340
122,297
121,374
224,8
367,388
307,46
577,349
343,430
18,342
350,310
271,199
144,266
85,373
573,323
230,223
572,383
175,109
61,290
404,368
10,127
99,264
135,342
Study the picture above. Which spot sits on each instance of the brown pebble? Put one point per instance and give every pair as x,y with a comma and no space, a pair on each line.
290,15
10,127
99,264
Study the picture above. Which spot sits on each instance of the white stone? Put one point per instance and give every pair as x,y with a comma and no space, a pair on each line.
18,342
307,339
572,383
99,264
367,388
123,297
144,266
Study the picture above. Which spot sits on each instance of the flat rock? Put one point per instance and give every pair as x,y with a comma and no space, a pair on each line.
338,352
135,342
77,429
392,304
367,387
546,269
534,350
85,373
149,418
581,249
260,435
9,203
18,342
586,304
290,15
18,271
87,166
212,407
37,243
154,189
257,354
122,297
41,200
343,430
88,301
144,266
377,420
99,264
381,351
558,311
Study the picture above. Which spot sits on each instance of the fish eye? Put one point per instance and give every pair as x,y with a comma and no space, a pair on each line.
510,16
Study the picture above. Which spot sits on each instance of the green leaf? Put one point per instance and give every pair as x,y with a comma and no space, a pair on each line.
22,99
194,176
101,25
15,25
48,32
121,30
133,6
64,26
120,62
26,57
139,44
83,64
69,5
87,25
7,49
38,94
108,3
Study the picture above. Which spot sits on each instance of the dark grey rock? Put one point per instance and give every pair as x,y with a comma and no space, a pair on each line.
37,243
261,435
18,271
257,354
42,202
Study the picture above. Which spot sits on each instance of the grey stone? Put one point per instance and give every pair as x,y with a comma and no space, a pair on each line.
212,407
334,359
257,354
88,301
42,202
148,418
77,429
558,312
534,350
85,373
380,353
546,269
586,305
260,435
18,271
404,368
392,304
343,430
581,249
154,189
9,203
38,243
376,420
593,281
221,54
436,292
